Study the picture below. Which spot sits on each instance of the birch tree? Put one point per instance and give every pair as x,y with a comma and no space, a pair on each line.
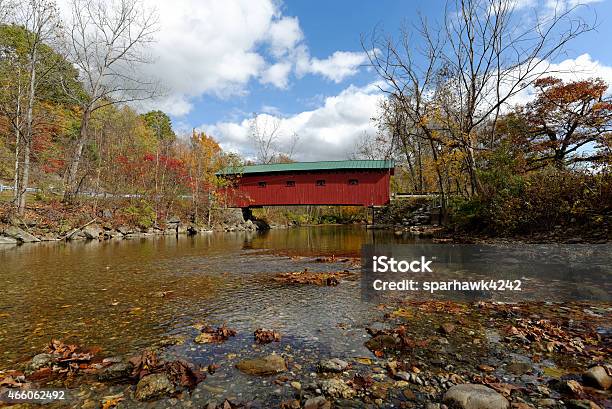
41,22
107,42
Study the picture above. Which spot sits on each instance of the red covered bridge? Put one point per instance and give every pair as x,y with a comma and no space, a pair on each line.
348,183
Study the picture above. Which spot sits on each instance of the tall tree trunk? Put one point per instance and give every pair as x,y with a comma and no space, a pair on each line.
17,178
29,132
71,184
471,164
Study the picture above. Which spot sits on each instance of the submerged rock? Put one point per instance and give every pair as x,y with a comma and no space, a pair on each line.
582,404
153,386
472,396
116,371
40,361
332,365
267,365
318,402
382,342
337,388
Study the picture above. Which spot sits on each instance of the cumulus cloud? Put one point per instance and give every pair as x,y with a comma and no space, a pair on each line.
330,131
212,47
337,67
571,69
277,75
284,35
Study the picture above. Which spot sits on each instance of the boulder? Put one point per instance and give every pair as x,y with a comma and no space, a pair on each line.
267,365
153,386
125,230
332,365
93,232
20,235
8,240
598,377
472,396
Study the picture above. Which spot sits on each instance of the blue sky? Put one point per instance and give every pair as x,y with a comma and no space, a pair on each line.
301,63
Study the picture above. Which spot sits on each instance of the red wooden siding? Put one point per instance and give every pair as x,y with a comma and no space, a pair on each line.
271,189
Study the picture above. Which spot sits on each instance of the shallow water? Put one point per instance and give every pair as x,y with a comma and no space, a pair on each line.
106,294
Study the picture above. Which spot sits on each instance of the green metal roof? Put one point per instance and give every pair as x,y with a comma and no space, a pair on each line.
310,166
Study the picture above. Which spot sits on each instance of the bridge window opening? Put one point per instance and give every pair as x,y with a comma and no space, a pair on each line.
290,183
320,182
262,184
353,182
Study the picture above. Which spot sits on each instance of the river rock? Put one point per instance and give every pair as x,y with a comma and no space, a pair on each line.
20,235
125,230
337,388
472,396
597,376
7,240
447,328
153,386
40,361
267,365
93,232
381,342
318,402
173,220
116,371
332,365
582,404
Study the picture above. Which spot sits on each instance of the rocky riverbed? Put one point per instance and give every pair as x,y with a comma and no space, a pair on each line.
423,355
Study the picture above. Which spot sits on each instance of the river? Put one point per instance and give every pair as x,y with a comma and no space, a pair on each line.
126,295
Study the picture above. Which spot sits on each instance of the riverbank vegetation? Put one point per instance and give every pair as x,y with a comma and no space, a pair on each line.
510,144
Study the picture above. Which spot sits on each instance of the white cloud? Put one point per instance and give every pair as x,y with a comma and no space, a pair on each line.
284,35
331,130
213,47
327,132
337,67
277,75
572,69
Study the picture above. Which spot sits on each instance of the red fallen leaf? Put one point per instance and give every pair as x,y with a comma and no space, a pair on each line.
57,347
144,363
183,373
210,335
41,374
361,382
265,336
212,368
379,354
